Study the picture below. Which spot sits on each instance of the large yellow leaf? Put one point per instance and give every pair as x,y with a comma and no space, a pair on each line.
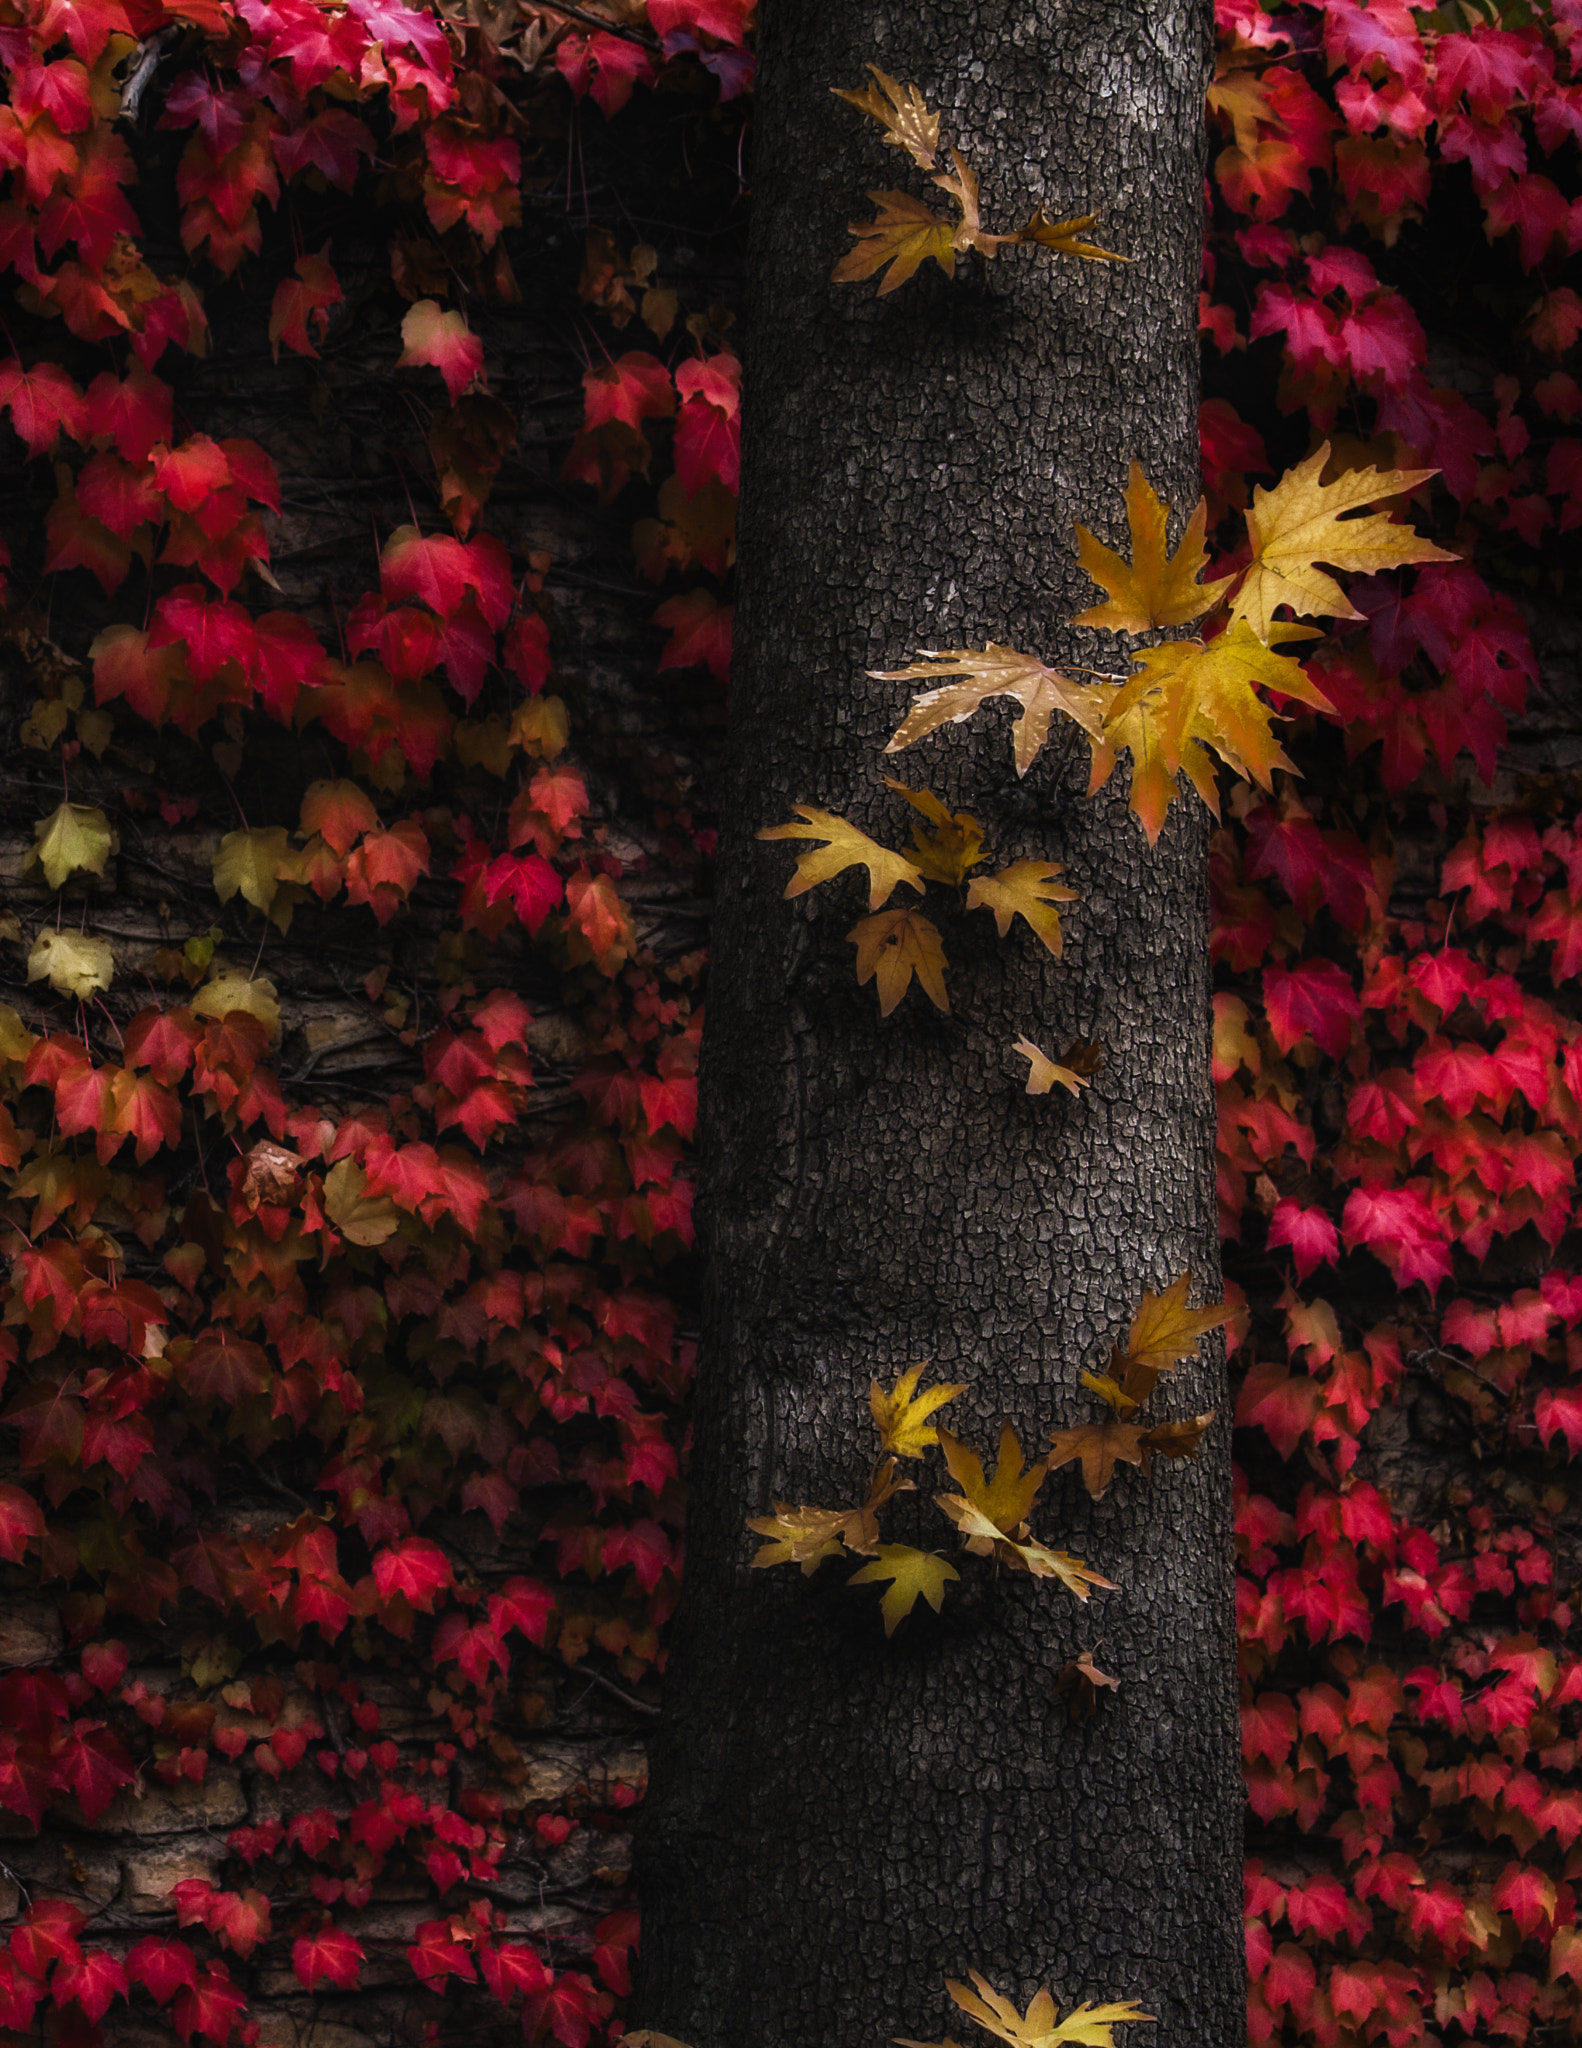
1164,1330
848,847
901,1415
1189,701
232,990
1026,889
73,837
903,113
893,946
1007,1498
248,863
993,671
1153,588
801,1536
905,234
1087,2025
913,1575
71,964
1298,524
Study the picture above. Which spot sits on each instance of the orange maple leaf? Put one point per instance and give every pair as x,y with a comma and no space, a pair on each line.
1153,588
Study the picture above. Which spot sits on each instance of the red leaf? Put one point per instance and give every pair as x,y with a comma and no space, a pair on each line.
512,1969
430,336
21,1523
42,402
162,1967
634,388
330,1954
91,1983
700,633
209,2007
415,1568
1316,999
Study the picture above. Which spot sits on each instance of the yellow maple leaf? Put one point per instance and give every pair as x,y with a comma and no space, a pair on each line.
1188,701
1087,2025
248,863
1066,237
891,948
905,234
1043,1563
1153,588
906,117
229,989
848,847
913,1575
993,671
901,1415
1164,1330
953,847
1298,524
1007,1498
71,964
1026,889
73,838
802,1536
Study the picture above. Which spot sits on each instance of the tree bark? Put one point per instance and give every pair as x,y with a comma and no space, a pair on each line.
838,1822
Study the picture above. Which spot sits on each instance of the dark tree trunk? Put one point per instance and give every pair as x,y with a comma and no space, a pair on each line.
839,1822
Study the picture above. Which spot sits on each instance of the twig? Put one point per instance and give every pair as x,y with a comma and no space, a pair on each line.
627,1699
143,70
601,22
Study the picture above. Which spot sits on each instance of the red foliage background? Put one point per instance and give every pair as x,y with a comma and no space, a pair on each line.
443,1343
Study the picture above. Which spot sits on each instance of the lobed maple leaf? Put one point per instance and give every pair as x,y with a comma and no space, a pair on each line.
1164,1330
806,1536
1153,588
993,671
72,965
1100,1447
1187,698
901,1415
1089,2026
1005,1501
847,847
73,838
430,336
903,113
1026,889
912,1575
1297,523
904,234
1065,237
892,947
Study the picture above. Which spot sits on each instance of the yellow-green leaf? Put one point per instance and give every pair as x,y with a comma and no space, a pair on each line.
359,1217
249,863
901,1415
913,1575
232,990
71,964
73,838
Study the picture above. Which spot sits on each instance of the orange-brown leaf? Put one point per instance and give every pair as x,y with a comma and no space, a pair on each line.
1153,588
903,113
904,234
1066,237
1164,1330
891,948
1100,1446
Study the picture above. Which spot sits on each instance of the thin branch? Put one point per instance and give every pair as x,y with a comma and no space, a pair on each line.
601,22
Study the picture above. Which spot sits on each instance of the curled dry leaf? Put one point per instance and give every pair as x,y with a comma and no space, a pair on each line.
1177,1439
1043,1073
1065,237
848,847
271,1174
1084,1682
993,671
903,113
1087,2025
901,1415
893,946
962,185
1153,588
1026,889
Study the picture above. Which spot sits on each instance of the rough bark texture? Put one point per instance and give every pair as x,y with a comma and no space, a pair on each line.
840,1822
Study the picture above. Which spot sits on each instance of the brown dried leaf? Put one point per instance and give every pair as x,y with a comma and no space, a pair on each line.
908,120
904,235
1066,237
1083,1680
953,847
1153,588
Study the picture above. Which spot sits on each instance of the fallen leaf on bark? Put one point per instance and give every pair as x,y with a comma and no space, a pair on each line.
893,946
903,113
847,847
913,1575
901,1415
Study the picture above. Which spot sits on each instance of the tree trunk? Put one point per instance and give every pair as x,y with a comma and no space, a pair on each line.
839,1821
